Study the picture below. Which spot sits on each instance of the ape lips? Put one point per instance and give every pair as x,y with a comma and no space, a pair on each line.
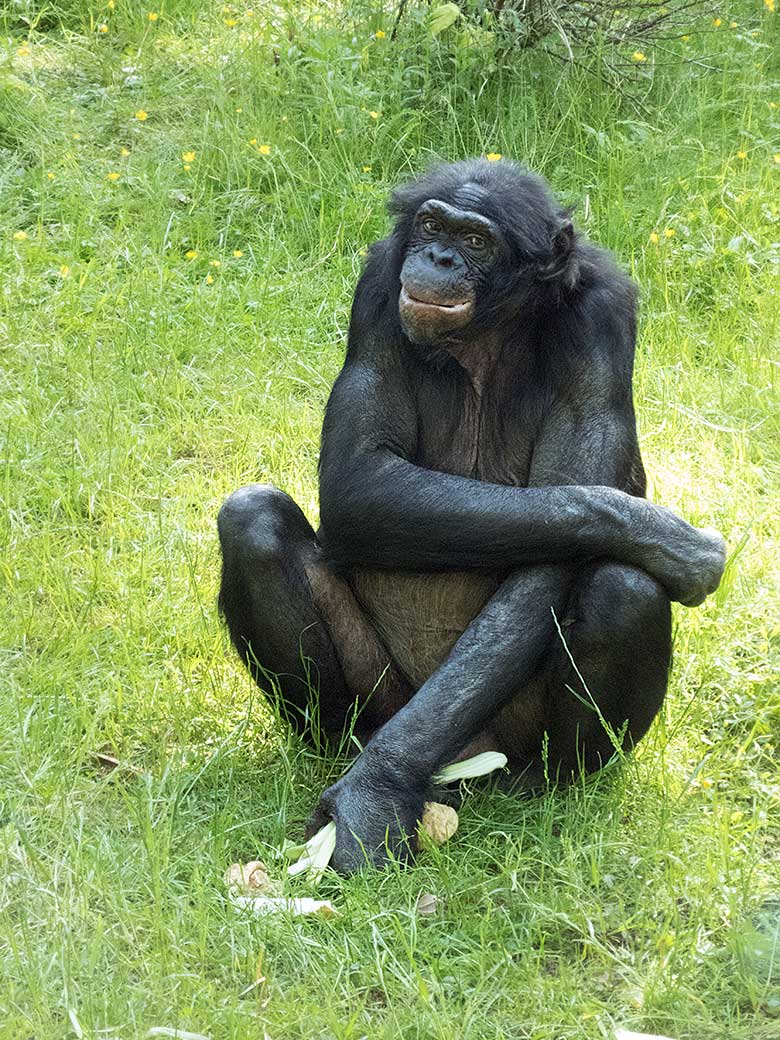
425,320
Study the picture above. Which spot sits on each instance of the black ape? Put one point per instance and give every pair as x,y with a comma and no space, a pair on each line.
482,516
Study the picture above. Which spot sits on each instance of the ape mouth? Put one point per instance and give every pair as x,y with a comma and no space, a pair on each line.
424,301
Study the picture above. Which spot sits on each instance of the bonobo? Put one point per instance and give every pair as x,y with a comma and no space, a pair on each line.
483,520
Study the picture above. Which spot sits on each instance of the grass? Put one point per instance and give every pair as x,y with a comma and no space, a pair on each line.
142,383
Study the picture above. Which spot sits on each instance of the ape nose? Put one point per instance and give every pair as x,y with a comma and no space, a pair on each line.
440,256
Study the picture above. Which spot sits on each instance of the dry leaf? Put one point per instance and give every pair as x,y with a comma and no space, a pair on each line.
439,822
427,904
107,763
259,988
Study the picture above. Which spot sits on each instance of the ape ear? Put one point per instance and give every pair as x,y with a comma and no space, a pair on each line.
564,266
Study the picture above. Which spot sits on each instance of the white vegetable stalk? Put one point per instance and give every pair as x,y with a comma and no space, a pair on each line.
314,856
316,853
479,765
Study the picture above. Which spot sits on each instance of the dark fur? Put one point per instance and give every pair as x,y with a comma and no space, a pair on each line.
481,502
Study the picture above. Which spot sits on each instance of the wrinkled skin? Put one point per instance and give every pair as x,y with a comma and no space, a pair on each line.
483,520
376,817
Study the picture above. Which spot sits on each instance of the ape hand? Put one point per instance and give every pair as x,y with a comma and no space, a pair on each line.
376,817
690,563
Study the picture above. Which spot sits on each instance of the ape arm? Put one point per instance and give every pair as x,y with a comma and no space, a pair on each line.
379,509
580,439
381,796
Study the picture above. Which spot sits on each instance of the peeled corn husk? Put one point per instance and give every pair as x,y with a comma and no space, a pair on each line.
477,765
315,854
262,905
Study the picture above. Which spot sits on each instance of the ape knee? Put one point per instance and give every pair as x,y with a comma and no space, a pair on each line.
257,520
625,596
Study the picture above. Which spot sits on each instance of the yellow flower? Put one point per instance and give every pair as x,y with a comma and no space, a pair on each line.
380,34
209,280
264,149
77,137
366,169
669,232
253,140
773,104
64,271
124,152
215,263
238,253
230,22
113,176
23,51
188,156
717,22
639,56
153,16
654,238
769,5
111,5
776,157
50,175
141,116
192,254
374,115
733,25
493,156
741,154
685,39
103,28
186,167
20,236
239,110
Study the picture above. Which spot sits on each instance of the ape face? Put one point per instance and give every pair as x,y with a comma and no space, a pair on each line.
450,257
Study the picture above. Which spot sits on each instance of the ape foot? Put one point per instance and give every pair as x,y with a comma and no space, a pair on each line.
376,820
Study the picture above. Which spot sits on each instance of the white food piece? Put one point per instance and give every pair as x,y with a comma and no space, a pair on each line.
624,1034
179,1034
316,853
477,765
263,905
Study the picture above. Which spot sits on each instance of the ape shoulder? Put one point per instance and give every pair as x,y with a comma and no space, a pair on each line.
598,317
374,314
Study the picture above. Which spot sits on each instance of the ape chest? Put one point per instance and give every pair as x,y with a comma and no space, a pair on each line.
472,435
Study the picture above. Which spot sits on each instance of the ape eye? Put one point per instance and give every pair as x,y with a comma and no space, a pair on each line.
433,226
477,241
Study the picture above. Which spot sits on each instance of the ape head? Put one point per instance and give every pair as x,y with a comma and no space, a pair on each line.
477,242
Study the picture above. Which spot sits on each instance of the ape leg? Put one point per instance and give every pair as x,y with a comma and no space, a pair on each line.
499,677
298,625
500,673
616,629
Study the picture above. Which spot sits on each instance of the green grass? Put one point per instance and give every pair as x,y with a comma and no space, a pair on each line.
136,394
